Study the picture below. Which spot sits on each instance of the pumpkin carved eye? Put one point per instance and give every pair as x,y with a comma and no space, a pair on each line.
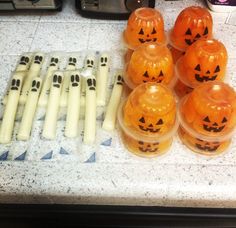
154,31
146,74
206,31
160,122
207,119
198,68
224,120
142,120
141,32
188,32
217,69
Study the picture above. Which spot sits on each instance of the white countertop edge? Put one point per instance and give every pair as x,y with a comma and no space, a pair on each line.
116,184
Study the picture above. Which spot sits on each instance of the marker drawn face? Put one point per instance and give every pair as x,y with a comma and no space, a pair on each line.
89,63
57,80
54,61
148,147
38,59
24,60
35,86
91,84
72,61
75,80
15,84
120,80
103,61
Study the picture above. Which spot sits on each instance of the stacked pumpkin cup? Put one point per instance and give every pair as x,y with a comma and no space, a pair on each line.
147,118
207,112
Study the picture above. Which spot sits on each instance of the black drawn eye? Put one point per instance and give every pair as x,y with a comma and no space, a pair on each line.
33,83
38,85
153,31
188,32
142,120
59,79
141,32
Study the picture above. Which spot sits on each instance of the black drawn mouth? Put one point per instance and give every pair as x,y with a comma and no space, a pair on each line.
22,63
71,64
38,62
207,148
205,78
149,129
74,84
213,129
56,85
103,64
148,150
34,90
14,88
52,64
147,40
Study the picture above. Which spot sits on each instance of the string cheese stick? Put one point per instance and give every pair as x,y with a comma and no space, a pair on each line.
110,117
71,65
24,62
50,123
90,111
53,66
33,72
73,108
22,65
30,109
11,108
89,66
102,75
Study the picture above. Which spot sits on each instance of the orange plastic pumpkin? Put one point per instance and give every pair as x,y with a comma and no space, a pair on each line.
144,25
191,24
210,109
148,119
150,63
205,60
203,146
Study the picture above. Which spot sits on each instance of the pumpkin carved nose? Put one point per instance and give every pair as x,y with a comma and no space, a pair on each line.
150,125
215,124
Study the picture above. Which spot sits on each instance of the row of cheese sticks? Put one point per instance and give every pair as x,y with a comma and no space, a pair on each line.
77,88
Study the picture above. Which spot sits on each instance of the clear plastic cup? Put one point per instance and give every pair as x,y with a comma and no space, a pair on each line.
191,24
148,120
151,62
144,25
205,60
208,117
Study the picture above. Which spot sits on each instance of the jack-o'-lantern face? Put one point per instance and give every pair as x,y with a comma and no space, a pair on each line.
145,149
150,109
205,60
158,78
144,25
202,146
150,63
207,76
207,146
193,35
148,147
148,126
192,24
211,109
214,126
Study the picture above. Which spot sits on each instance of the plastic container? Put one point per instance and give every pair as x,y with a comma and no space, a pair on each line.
191,24
205,60
221,5
151,62
147,120
144,25
208,118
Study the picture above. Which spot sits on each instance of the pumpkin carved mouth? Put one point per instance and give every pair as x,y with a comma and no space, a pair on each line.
204,78
207,147
149,129
214,129
147,40
148,148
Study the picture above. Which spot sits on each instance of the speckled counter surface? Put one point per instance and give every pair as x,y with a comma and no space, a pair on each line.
180,178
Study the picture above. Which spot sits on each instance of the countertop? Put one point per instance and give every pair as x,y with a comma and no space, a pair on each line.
180,178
